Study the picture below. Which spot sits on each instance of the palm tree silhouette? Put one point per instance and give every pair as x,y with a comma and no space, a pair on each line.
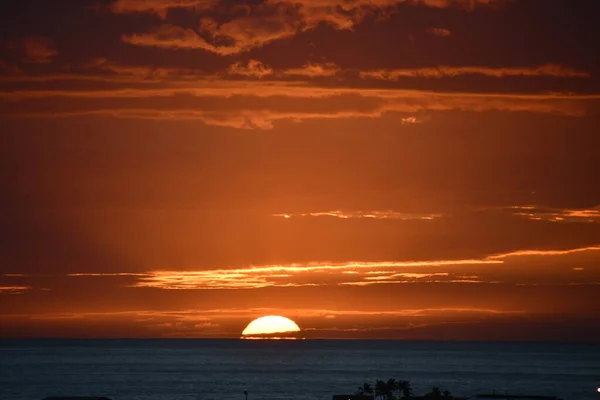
365,389
391,386
380,389
404,389
436,392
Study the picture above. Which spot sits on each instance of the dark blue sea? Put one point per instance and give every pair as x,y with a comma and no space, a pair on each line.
303,369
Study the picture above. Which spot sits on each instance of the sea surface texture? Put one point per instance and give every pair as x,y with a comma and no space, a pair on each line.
302,370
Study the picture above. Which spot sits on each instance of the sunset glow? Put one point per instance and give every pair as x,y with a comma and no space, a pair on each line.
390,169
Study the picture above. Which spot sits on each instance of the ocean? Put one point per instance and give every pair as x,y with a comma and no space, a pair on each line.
190,369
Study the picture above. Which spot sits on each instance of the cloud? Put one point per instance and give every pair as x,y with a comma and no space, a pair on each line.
105,274
410,121
239,35
263,22
551,70
312,70
442,32
296,275
176,37
544,267
259,104
34,49
544,253
538,213
159,7
135,73
362,215
266,119
253,68
14,289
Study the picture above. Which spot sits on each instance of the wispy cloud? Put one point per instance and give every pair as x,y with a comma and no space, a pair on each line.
538,213
159,7
243,33
142,72
410,121
14,289
106,274
263,103
312,70
529,253
552,70
496,268
264,22
376,214
253,68
309,274
300,89
442,32
33,49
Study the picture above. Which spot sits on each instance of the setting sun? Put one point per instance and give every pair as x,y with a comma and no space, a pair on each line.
270,324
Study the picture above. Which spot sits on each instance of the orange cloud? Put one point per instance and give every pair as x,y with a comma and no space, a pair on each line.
14,289
410,121
362,215
267,105
312,70
241,34
293,275
492,269
155,74
106,274
34,49
173,36
556,214
543,253
442,32
552,70
264,22
159,7
300,89
253,68
266,119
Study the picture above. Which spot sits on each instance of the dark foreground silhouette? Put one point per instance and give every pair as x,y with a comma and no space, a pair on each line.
402,390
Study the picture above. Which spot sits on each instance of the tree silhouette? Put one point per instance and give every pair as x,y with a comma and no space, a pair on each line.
404,389
436,392
380,389
365,389
391,386
386,390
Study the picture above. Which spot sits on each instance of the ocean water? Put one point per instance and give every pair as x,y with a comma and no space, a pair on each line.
303,369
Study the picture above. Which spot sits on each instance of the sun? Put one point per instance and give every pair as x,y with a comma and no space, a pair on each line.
271,327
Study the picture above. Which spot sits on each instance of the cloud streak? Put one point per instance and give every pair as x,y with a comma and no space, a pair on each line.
386,214
312,70
159,7
33,49
550,70
253,68
441,32
263,22
543,253
14,289
251,104
498,268
557,215
295,275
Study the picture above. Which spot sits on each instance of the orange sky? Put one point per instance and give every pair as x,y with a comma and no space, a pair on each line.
393,169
